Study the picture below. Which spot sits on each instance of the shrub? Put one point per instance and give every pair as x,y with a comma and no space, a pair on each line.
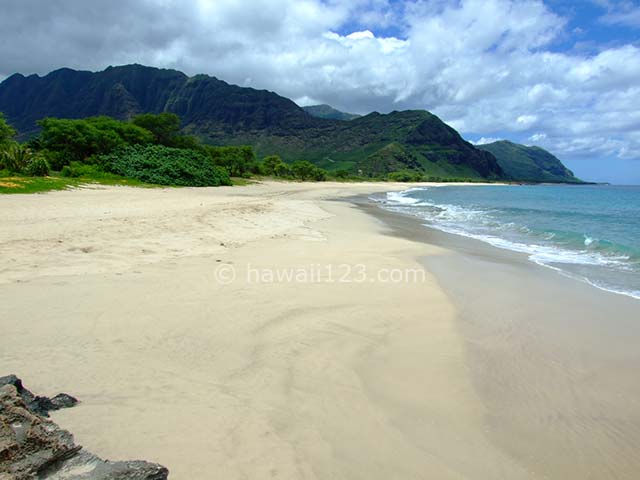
78,169
406,176
238,161
15,157
304,170
164,126
166,166
7,132
282,170
271,164
37,167
341,174
75,140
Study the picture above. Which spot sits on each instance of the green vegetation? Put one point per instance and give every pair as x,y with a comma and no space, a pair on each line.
63,141
305,171
328,112
238,161
19,159
373,146
529,164
228,115
274,166
10,183
165,166
7,132
148,150
165,128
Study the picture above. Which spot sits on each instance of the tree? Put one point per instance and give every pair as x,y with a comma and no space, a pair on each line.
67,141
7,132
164,126
15,157
21,159
273,165
282,170
238,161
304,170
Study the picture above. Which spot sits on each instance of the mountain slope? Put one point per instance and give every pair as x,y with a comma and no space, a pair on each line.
327,111
226,114
532,164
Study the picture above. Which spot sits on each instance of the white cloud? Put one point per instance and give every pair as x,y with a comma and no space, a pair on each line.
484,66
484,140
624,12
537,137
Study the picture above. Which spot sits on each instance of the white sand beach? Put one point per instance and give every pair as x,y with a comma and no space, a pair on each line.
143,304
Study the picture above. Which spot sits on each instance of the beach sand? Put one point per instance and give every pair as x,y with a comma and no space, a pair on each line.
554,360
162,311
116,296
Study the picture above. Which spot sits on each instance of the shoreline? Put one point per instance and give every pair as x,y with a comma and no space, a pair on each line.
557,377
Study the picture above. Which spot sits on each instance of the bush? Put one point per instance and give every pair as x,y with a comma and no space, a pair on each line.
15,157
166,166
238,161
272,164
341,174
304,170
7,132
37,167
282,170
78,169
406,176
75,140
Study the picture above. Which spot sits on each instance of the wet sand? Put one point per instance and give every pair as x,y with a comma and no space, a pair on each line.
554,361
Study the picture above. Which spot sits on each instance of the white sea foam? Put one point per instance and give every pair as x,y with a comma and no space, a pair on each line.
403,198
477,223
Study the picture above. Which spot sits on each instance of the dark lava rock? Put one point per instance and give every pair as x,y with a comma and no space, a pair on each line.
32,446
35,403
62,400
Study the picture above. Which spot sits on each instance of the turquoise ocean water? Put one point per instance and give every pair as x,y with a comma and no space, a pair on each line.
591,233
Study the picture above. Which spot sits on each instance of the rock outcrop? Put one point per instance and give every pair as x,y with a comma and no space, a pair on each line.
35,403
32,446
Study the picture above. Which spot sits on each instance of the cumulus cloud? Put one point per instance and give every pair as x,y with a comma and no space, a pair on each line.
485,140
484,66
538,137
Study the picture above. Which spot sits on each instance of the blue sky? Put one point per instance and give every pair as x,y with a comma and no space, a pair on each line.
558,74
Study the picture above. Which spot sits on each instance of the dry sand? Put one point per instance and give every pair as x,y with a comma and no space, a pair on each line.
115,295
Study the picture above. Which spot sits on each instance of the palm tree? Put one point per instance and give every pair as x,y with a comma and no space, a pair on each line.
15,157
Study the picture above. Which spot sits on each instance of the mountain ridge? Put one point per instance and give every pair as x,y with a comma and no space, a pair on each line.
327,111
225,114
529,163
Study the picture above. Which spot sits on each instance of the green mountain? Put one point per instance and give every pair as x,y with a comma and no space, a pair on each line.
327,111
533,164
224,114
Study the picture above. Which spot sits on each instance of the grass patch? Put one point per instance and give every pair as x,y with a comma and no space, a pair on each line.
241,181
20,184
33,184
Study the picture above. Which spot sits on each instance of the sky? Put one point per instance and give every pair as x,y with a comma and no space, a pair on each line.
559,74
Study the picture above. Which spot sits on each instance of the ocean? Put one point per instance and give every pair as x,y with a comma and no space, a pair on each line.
590,232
